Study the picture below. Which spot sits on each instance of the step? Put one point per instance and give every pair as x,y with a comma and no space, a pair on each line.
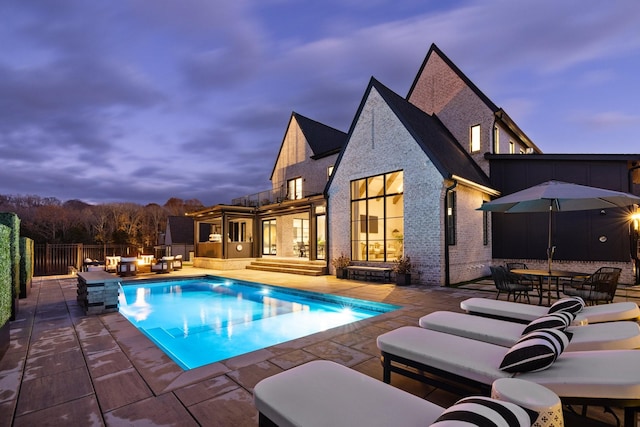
289,265
283,269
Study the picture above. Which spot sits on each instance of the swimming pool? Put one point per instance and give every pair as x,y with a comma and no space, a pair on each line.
204,320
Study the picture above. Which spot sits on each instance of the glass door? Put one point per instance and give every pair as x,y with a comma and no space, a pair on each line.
269,237
301,236
321,236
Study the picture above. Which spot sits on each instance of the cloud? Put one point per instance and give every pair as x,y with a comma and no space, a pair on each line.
606,119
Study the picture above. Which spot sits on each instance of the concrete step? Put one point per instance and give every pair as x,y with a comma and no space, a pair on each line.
292,266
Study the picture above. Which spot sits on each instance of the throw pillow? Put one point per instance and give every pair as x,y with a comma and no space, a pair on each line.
572,305
485,411
558,320
535,351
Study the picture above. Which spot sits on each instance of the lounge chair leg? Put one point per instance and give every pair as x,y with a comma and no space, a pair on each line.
630,417
386,370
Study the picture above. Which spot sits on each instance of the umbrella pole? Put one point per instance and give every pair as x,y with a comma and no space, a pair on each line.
549,254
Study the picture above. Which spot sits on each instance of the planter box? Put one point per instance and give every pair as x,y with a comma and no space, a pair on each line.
403,279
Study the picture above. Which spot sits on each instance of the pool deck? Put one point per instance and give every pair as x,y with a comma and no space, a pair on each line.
67,368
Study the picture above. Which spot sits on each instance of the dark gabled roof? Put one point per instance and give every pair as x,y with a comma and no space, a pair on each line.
434,138
493,107
322,139
181,229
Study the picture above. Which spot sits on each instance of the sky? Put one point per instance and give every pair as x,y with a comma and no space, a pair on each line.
143,100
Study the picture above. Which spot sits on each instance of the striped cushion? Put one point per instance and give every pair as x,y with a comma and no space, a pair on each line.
484,411
558,320
572,305
535,351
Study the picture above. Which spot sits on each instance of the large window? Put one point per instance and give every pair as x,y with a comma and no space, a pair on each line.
475,138
294,189
377,217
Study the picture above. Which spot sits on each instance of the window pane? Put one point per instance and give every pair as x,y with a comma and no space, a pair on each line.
376,186
394,182
358,189
475,138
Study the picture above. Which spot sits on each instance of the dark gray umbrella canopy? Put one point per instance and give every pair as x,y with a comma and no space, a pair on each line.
558,196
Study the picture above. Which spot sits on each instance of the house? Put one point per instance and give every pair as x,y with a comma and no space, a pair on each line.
178,237
288,221
407,179
419,167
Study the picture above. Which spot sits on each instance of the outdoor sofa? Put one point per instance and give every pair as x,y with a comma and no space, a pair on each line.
609,378
323,393
600,336
525,313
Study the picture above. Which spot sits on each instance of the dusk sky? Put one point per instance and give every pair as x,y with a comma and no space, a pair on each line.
143,100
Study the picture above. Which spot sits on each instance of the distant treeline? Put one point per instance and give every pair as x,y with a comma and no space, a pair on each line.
48,220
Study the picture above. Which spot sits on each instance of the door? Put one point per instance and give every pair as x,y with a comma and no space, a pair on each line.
269,237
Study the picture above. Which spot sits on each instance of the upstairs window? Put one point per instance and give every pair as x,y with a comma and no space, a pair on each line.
475,138
329,171
512,147
294,189
496,140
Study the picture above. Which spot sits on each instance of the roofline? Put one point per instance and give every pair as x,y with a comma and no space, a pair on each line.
566,156
504,118
469,183
458,72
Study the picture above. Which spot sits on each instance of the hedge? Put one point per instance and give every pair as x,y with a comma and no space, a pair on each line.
12,221
5,275
26,265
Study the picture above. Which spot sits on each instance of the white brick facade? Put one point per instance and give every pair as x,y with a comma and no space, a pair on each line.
380,144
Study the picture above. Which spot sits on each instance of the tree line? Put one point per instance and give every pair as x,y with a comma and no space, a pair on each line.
49,220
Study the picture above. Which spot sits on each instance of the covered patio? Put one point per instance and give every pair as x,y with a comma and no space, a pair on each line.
64,367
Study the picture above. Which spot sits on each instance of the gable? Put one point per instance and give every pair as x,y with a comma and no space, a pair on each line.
439,81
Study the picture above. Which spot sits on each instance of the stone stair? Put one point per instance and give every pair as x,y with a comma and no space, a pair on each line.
288,265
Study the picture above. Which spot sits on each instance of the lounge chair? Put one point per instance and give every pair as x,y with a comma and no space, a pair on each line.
323,393
525,313
600,336
601,378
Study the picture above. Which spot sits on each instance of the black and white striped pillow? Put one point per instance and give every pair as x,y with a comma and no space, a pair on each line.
485,411
558,320
572,305
536,351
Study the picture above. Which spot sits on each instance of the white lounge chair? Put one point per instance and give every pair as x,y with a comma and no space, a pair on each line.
323,393
600,336
524,313
601,378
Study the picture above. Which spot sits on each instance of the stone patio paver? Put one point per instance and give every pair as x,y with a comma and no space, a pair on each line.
65,368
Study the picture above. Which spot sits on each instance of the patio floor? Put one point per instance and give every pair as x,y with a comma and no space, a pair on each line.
65,368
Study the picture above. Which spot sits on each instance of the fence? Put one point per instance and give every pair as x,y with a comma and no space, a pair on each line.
53,259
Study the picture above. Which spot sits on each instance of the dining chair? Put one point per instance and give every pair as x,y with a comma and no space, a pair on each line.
509,283
525,278
600,286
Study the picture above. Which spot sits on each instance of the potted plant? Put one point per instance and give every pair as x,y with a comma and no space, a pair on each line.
402,269
341,263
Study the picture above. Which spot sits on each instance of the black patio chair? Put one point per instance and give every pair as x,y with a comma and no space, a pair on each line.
600,286
510,283
525,279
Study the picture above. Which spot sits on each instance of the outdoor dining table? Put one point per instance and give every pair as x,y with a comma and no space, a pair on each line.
549,274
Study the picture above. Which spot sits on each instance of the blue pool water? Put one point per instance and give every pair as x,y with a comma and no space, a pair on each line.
204,320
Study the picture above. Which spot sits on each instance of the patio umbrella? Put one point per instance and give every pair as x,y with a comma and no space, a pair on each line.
558,196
